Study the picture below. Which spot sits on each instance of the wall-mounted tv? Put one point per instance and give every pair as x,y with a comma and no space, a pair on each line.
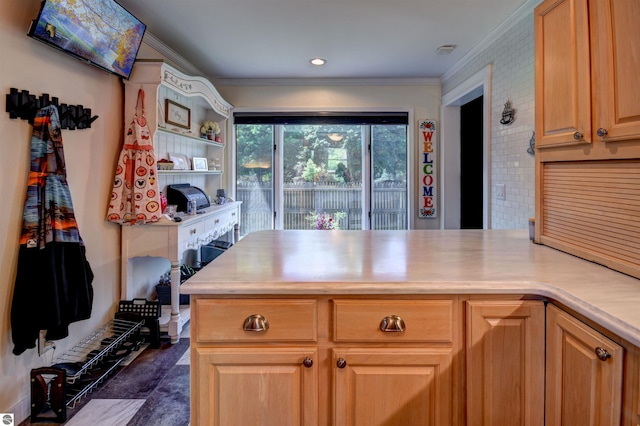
100,32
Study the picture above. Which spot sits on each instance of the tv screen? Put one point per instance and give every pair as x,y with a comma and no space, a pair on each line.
100,32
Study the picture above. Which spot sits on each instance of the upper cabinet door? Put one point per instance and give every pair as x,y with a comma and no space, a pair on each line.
615,39
563,94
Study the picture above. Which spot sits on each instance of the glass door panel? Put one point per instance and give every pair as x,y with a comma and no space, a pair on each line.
322,176
255,179
389,175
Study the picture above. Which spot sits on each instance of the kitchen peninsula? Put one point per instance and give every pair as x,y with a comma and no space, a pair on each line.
368,327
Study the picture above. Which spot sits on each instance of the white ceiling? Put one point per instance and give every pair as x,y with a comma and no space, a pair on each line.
359,38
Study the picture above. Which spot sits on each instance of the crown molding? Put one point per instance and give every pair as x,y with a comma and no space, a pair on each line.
173,56
325,81
523,11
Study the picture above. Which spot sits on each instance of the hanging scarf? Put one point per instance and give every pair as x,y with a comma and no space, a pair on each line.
135,198
53,281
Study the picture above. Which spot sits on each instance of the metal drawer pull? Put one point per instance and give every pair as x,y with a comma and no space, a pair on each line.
255,322
308,362
602,132
341,363
602,354
392,324
577,136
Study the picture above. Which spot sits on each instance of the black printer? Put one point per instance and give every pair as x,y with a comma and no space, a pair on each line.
181,193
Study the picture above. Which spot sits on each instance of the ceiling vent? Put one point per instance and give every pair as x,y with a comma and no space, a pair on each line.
445,49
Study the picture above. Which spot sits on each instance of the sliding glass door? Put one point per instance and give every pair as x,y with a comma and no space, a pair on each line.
322,176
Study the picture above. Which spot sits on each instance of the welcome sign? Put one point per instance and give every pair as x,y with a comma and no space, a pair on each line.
427,143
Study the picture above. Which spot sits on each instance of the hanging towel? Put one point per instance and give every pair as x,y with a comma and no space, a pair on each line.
135,198
53,281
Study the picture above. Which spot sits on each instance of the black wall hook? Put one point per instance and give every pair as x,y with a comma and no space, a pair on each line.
22,104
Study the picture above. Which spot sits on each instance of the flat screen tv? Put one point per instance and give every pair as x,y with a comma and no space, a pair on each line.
100,32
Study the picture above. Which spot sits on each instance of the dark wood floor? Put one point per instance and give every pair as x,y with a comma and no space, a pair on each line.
152,390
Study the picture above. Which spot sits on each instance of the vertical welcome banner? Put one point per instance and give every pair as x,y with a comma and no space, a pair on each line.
427,185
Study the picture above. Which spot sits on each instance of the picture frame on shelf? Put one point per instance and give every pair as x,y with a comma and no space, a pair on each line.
180,161
200,164
177,115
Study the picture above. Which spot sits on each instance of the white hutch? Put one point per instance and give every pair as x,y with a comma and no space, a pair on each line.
195,99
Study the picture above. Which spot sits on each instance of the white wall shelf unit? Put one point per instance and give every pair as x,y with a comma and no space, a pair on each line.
199,101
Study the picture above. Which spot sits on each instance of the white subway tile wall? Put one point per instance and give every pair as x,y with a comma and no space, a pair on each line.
512,59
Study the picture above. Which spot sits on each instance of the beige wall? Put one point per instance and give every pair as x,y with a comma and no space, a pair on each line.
90,156
420,100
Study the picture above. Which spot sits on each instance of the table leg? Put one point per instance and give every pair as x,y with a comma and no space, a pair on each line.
174,322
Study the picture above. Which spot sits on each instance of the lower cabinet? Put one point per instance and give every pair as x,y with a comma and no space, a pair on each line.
430,360
505,363
584,374
392,387
323,361
269,386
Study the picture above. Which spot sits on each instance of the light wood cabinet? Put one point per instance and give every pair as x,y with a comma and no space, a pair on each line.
584,374
245,386
329,359
505,362
615,35
461,360
588,129
563,79
397,384
586,74
380,386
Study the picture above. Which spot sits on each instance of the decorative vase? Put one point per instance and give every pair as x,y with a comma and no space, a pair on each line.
210,135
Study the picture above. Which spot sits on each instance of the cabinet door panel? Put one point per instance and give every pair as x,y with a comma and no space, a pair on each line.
563,95
615,36
380,387
581,389
505,363
268,387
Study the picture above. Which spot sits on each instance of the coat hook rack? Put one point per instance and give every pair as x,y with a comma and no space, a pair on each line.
22,104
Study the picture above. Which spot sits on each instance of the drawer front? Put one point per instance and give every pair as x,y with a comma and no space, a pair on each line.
189,234
424,320
222,320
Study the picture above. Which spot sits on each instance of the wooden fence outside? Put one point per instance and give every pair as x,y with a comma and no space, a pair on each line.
388,210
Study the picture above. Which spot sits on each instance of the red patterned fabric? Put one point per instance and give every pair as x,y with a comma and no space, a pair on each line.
135,198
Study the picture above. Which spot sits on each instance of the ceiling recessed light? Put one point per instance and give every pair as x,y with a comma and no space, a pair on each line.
318,61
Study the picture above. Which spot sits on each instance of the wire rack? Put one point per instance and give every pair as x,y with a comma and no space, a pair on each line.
90,361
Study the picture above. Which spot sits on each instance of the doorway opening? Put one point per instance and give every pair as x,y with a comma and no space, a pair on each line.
471,123
477,86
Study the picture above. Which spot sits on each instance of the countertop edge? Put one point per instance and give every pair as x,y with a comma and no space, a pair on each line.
533,288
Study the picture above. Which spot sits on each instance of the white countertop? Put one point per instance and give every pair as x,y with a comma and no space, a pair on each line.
421,262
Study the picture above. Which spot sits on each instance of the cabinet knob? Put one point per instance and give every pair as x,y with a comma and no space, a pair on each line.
193,231
602,132
308,362
341,363
577,136
255,322
602,354
392,324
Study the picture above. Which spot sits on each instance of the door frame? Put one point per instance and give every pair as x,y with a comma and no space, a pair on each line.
477,85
